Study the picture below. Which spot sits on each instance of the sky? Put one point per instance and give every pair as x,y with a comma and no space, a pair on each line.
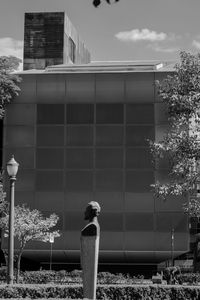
124,31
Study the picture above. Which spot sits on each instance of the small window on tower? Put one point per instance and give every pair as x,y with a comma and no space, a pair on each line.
72,50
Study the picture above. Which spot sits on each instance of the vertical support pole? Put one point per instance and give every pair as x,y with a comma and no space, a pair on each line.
51,257
172,246
10,277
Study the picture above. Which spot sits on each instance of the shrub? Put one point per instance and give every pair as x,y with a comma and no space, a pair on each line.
39,277
190,278
108,292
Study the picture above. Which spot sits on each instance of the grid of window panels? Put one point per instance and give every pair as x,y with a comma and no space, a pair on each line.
94,147
91,146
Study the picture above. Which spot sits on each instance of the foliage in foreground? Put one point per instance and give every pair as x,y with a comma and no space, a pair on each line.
73,277
29,225
9,83
180,146
117,292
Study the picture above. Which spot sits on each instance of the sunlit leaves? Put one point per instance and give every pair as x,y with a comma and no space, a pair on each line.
181,144
9,87
30,225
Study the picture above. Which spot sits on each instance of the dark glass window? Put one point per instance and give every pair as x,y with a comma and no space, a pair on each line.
21,136
139,113
109,181
139,221
139,135
109,135
50,114
109,113
167,221
111,221
79,181
80,113
74,221
138,158
50,136
23,155
50,158
25,180
139,181
20,114
72,50
79,135
49,180
79,158
109,158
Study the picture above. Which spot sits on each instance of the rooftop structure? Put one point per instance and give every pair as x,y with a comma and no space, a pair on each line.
49,39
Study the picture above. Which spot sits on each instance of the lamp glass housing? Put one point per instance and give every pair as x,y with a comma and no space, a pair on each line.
12,167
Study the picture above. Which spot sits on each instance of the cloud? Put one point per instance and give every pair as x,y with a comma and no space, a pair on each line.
10,46
196,44
137,35
165,49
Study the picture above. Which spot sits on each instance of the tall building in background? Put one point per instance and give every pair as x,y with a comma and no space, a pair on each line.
51,39
80,132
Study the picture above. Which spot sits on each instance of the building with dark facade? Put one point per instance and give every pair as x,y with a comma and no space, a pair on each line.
51,39
80,132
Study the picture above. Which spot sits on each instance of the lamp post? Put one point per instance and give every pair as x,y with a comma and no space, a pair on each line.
172,246
51,240
12,168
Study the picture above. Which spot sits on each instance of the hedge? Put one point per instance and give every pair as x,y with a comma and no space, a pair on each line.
73,277
108,292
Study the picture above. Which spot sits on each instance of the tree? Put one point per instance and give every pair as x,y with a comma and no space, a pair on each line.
9,88
98,2
181,144
29,225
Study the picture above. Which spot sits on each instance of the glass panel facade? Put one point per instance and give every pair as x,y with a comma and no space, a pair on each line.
79,135
139,181
79,158
111,221
139,202
25,155
50,158
50,114
110,201
165,221
50,88
90,144
140,87
50,136
109,88
20,114
138,158
109,113
49,181
139,135
109,135
20,136
80,113
109,181
139,221
85,92
140,113
109,158
79,181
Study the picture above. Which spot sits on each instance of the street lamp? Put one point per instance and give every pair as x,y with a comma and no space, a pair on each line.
51,240
172,247
12,168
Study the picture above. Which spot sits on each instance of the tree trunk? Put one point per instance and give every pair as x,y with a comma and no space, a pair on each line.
18,265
